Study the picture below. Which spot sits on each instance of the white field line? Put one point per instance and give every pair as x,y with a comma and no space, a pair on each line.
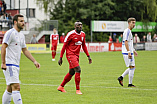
89,87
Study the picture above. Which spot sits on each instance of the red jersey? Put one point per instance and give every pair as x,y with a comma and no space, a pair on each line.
73,42
62,39
54,38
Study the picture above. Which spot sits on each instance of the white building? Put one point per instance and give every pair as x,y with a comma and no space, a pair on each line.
35,12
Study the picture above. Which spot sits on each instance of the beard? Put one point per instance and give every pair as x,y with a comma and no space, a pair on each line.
19,26
78,29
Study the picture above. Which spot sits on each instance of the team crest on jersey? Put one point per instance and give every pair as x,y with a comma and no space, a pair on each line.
78,43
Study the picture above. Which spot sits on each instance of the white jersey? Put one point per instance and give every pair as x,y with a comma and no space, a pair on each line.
15,41
127,35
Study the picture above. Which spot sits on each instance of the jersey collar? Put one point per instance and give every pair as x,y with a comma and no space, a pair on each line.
78,33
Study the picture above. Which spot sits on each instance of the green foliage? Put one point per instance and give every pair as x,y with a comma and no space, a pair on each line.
69,11
150,7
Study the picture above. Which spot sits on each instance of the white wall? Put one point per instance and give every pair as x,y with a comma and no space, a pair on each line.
39,13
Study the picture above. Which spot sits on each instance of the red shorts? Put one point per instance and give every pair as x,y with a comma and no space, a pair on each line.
54,47
73,61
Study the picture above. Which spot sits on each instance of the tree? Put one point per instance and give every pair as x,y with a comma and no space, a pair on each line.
69,11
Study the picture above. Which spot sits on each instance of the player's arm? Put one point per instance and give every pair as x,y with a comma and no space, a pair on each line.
62,53
86,51
58,39
3,53
136,54
127,48
51,40
29,56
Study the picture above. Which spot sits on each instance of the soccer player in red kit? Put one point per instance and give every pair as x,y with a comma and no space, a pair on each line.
72,44
54,41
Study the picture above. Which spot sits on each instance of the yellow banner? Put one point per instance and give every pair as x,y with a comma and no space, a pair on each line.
36,48
40,48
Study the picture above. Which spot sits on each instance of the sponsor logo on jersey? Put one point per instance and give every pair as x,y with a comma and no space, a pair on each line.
78,43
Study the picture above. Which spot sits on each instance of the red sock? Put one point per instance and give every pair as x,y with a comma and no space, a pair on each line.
67,78
53,54
77,81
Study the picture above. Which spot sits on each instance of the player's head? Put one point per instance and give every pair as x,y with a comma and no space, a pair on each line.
18,21
54,30
78,26
131,22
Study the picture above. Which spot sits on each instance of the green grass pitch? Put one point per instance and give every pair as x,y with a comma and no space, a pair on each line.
99,83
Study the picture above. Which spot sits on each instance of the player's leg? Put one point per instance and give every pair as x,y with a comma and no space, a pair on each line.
77,79
16,93
54,48
66,79
53,55
6,98
126,60
131,75
131,71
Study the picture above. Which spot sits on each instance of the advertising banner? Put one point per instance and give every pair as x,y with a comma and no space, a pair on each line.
151,46
36,48
139,46
143,27
108,26
115,46
96,47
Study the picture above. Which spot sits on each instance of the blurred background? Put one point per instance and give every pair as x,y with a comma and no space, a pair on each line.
103,20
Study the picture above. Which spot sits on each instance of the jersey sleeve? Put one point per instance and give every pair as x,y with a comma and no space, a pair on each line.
50,36
84,47
66,41
126,35
7,38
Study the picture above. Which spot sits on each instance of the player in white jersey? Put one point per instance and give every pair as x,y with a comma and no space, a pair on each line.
13,43
128,53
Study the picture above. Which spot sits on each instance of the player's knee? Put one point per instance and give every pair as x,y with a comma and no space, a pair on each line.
131,67
53,51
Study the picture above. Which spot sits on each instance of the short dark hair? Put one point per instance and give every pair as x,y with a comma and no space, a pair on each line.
15,18
131,19
77,22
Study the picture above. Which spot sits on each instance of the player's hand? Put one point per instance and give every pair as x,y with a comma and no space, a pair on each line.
129,55
60,61
3,66
90,60
36,64
135,53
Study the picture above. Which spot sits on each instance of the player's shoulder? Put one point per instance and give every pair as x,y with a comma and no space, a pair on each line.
127,30
83,33
10,32
71,33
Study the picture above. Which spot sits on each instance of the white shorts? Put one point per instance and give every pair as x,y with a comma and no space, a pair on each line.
129,62
11,74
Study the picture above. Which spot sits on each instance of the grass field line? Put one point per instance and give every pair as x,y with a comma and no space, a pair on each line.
88,86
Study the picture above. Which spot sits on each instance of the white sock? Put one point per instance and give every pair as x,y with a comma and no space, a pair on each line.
6,99
131,75
17,97
125,72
